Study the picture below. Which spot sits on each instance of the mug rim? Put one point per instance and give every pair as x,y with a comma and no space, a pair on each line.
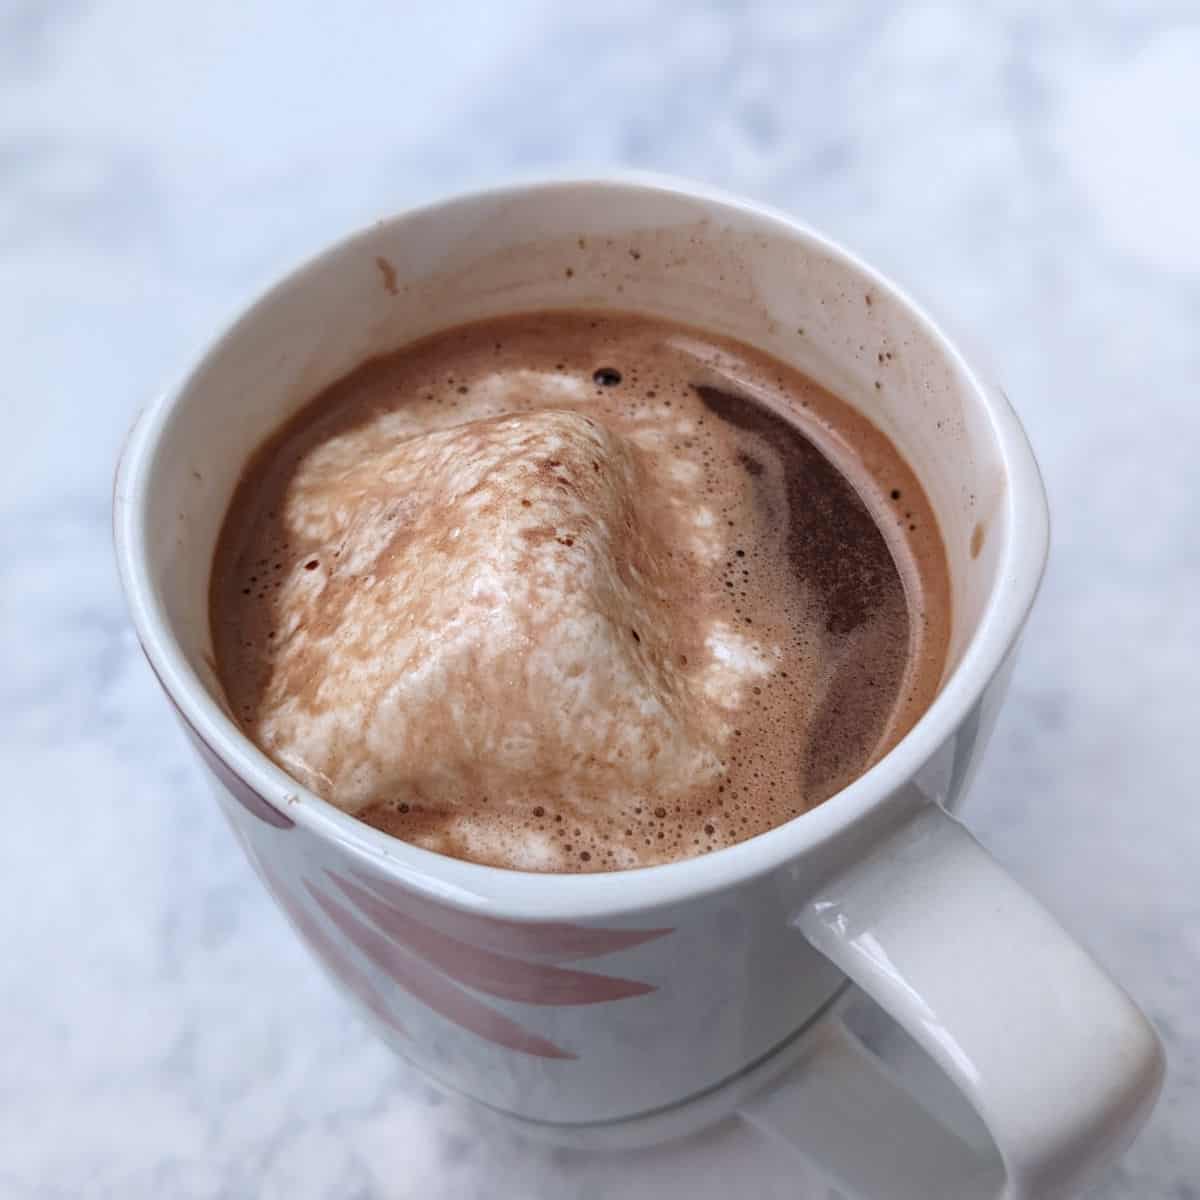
542,895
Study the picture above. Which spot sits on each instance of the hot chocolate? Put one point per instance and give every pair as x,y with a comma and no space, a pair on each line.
578,592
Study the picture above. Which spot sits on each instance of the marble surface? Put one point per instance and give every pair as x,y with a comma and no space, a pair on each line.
1033,173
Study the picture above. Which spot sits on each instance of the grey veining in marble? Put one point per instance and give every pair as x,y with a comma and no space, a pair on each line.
1031,169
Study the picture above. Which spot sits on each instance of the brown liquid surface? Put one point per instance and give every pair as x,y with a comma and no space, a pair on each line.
575,592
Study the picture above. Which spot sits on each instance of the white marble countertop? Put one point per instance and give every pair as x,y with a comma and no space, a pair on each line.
1035,176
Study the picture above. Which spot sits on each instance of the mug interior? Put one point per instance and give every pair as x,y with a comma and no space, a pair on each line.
660,249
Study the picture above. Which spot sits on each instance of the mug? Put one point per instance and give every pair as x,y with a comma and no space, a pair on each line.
632,1005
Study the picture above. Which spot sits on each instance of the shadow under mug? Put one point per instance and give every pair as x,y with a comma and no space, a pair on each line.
598,1002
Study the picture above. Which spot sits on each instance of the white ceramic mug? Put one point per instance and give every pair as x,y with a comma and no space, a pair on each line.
654,998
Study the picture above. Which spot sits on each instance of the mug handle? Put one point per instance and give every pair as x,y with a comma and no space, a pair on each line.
1057,1061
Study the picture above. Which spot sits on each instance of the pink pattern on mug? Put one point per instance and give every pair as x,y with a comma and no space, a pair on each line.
432,988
